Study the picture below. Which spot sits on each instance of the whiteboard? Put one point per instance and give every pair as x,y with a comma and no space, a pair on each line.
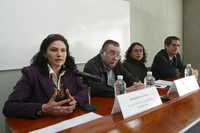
86,24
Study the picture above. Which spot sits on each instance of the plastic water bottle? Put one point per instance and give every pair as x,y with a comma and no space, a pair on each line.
120,85
149,80
188,70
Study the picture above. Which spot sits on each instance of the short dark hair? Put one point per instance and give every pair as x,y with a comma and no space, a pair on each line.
40,59
169,40
107,43
128,52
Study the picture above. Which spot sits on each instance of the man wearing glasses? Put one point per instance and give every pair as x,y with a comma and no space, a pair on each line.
107,66
167,63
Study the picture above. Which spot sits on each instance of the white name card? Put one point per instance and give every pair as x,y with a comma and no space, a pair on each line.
138,101
68,123
186,85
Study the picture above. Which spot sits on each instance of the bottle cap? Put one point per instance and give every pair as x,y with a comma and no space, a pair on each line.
119,76
189,65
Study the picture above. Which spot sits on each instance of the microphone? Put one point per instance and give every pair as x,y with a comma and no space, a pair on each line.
89,76
88,107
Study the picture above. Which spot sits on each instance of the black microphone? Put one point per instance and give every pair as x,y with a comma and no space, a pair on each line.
89,76
88,107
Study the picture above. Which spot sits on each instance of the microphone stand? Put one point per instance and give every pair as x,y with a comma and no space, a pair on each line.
88,107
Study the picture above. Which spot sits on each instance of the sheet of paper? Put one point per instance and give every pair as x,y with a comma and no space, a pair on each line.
163,83
138,101
186,85
68,123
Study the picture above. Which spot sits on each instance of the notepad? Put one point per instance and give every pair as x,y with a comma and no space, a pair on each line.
68,123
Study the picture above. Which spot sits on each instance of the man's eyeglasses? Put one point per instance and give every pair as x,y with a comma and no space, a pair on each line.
118,57
114,54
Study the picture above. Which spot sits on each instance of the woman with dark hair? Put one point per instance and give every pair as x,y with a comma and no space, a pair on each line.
50,85
135,60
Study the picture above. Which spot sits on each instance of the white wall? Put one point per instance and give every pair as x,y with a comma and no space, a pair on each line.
85,23
153,20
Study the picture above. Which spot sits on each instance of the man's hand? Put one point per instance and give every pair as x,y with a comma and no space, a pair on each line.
135,86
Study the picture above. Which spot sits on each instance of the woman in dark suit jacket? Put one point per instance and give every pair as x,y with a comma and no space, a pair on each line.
135,59
50,85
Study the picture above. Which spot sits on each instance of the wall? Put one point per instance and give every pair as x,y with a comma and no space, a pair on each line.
191,34
7,81
152,21
86,24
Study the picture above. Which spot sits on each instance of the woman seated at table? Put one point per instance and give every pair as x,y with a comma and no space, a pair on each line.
135,59
49,86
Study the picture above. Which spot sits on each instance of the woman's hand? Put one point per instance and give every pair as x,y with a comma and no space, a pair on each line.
59,108
71,101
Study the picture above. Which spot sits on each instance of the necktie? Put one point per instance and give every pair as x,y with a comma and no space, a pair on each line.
174,61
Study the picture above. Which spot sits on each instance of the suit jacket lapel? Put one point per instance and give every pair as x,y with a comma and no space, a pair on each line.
47,85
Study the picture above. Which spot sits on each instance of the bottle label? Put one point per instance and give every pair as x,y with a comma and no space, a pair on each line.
120,87
149,81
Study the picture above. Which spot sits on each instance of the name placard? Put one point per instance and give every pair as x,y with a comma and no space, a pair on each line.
186,85
138,101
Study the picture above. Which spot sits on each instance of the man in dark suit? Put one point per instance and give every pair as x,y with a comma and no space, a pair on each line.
107,66
167,63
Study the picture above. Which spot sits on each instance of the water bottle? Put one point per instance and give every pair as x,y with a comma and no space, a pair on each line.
120,85
188,70
149,80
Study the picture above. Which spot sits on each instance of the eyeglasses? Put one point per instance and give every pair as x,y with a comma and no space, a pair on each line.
114,54
118,57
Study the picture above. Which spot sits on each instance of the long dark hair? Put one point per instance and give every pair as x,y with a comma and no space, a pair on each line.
128,52
40,59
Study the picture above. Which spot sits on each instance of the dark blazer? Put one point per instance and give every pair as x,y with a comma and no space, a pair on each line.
95,66
136,68
35,89
163,68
